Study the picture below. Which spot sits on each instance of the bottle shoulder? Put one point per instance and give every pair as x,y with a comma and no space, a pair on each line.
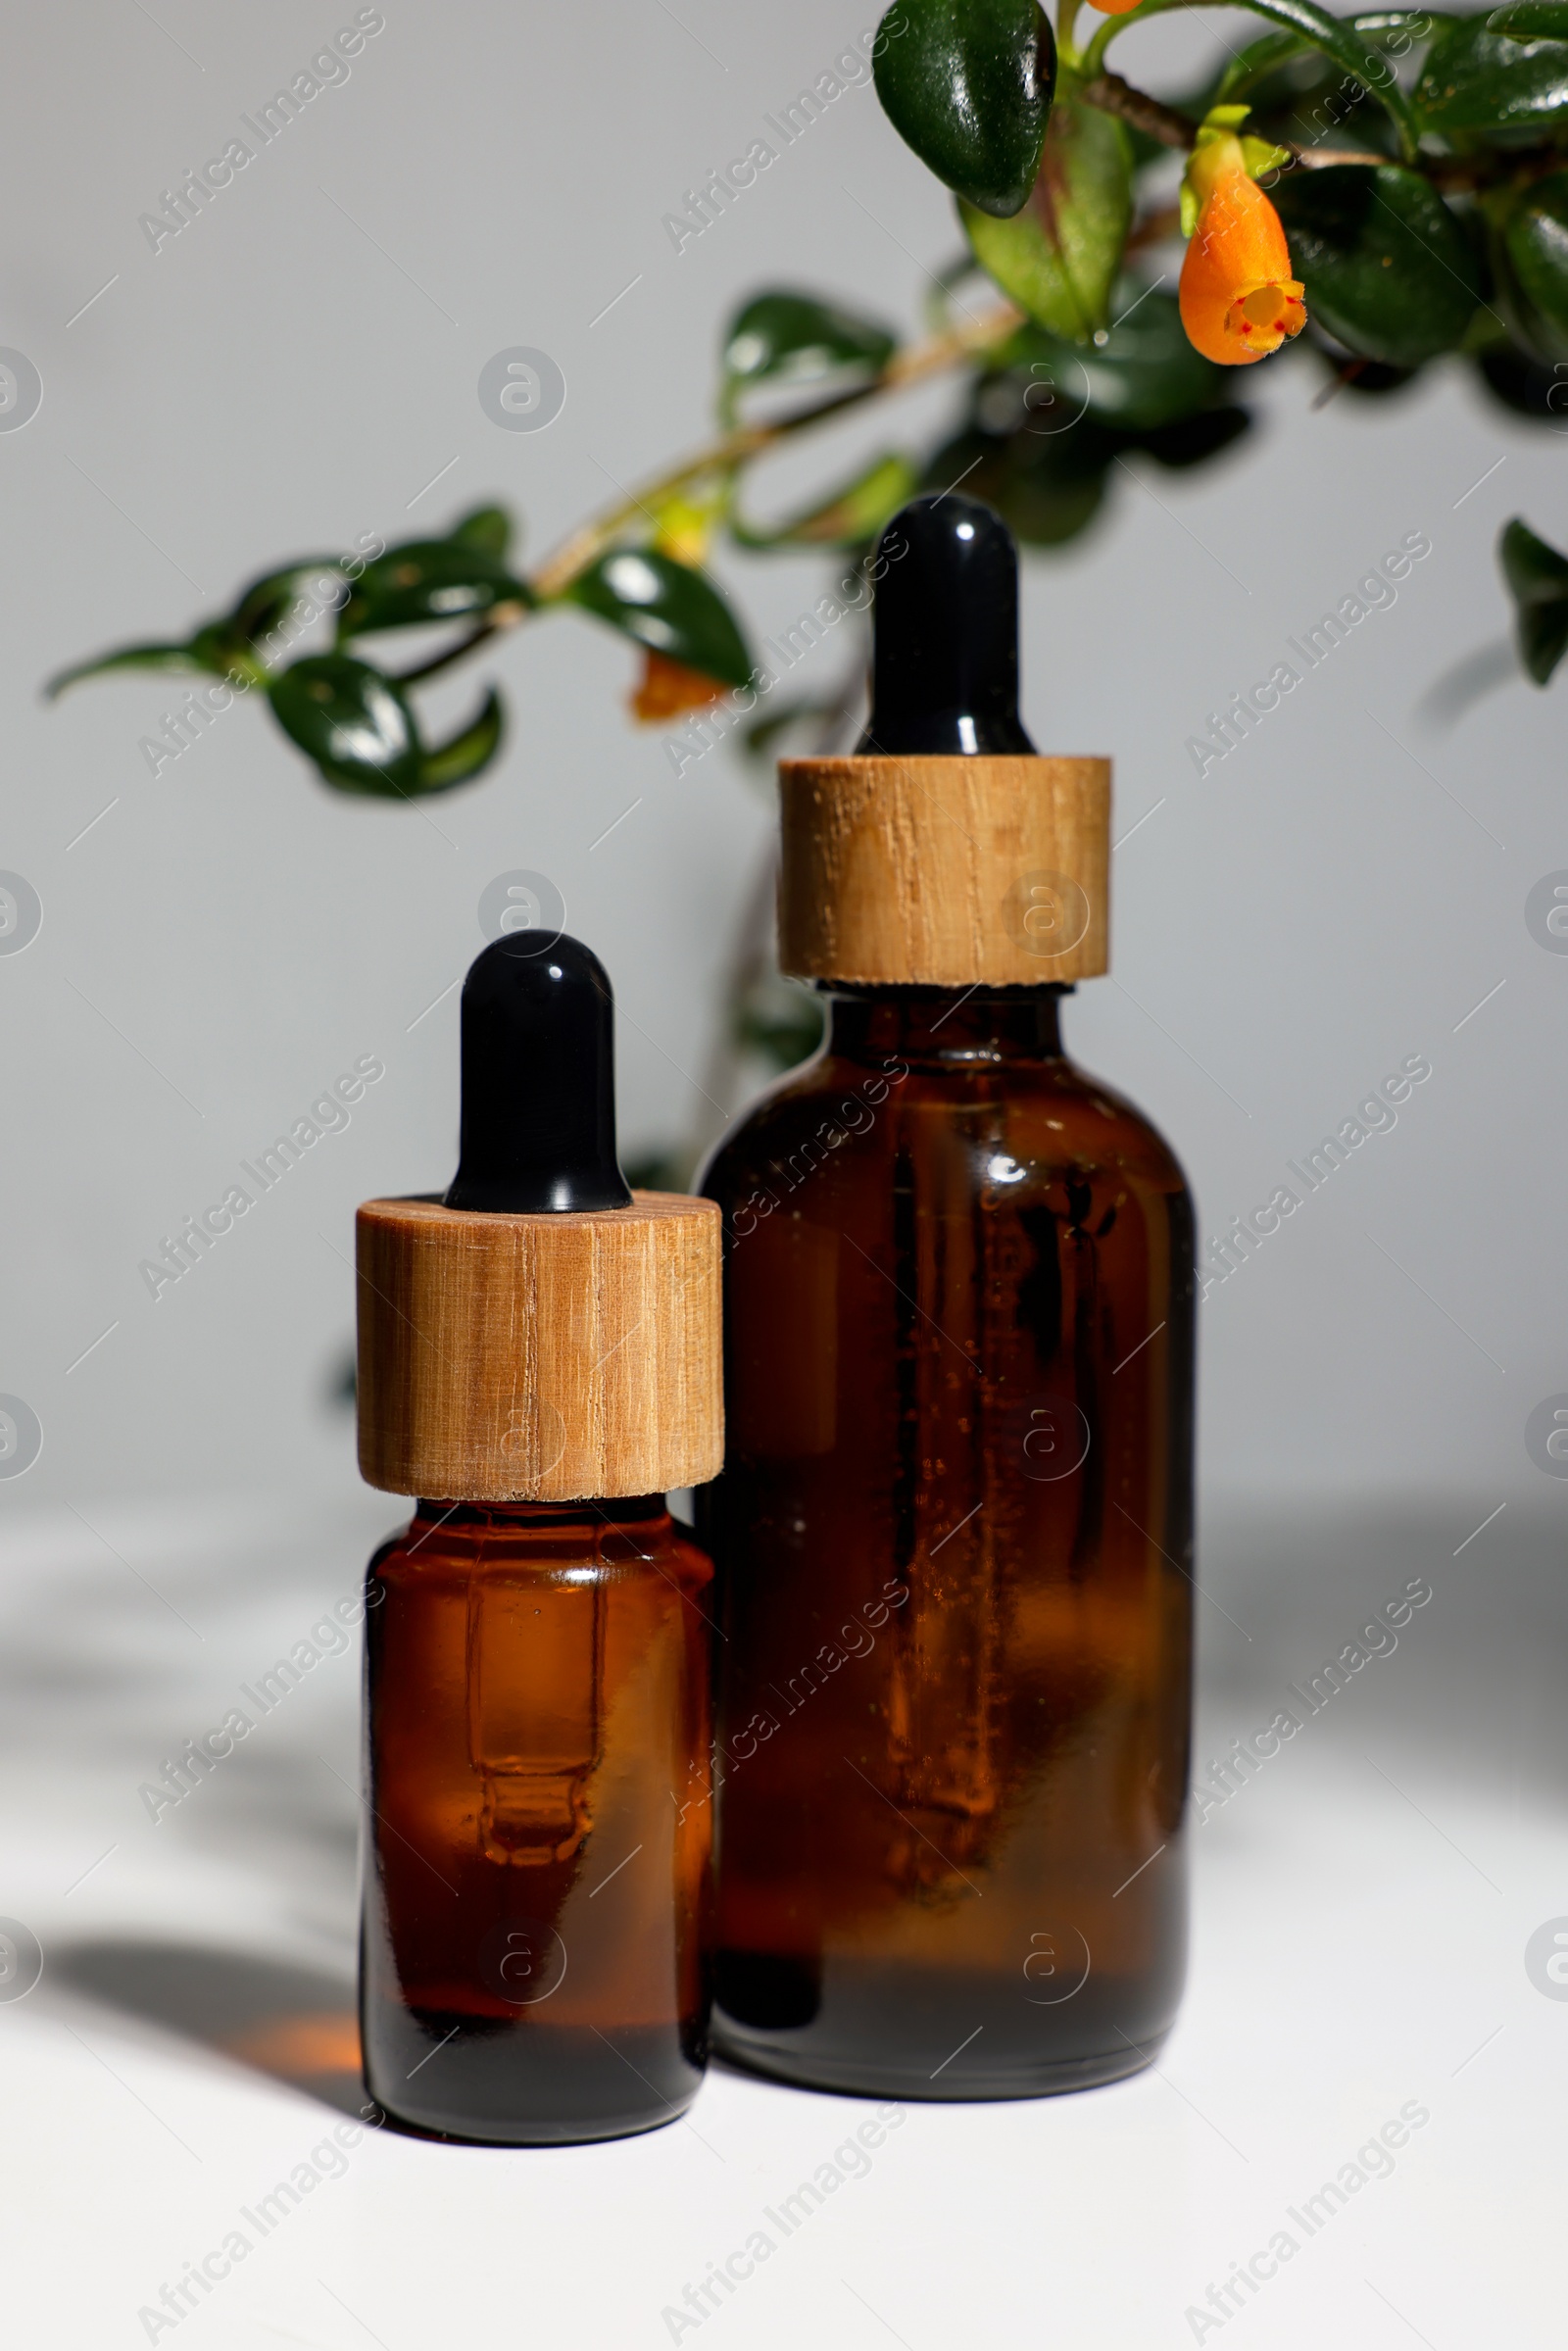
1055,1114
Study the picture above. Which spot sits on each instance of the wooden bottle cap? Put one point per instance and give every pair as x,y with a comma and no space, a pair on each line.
549,1359
949,871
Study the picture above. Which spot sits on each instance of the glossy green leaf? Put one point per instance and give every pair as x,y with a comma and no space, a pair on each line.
1391,32
853,517
967,84
1536,243
470,752
1537,580
1256,63
425,580
488,530
192,659
1146,374
783,338
262,607
1532,19
1480,85
1348,42
1060,257
352,721
667,607
227,654
1387,267
1537,574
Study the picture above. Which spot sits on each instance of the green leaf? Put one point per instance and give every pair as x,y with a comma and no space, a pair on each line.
1256,63
1536,573
425,580
784,337
468,753
667,607
262,605
1538,579
1342,40
1480,85
1529,19
352,721
1536,242
1146,374
967,84
1060,257
852,518
188,659
1353,51
488,530
1387,267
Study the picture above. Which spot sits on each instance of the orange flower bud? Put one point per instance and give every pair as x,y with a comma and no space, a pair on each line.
1238,298
668,687
1113,8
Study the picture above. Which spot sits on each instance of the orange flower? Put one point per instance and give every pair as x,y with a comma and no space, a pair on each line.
1238,298
1113,8
668,688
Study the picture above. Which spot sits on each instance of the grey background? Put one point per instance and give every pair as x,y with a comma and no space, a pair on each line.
294,369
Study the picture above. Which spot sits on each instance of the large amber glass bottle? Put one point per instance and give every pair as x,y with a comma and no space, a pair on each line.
537,1735
953,1531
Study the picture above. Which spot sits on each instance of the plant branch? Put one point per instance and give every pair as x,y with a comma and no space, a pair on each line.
499,616
1172,129
721,455
747,441
1338,38
1156,121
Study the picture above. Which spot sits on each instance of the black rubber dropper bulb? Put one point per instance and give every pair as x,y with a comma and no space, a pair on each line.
945,663
538,1081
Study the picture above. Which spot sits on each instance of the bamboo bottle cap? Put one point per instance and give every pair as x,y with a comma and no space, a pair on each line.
947,852
951,872
541,1334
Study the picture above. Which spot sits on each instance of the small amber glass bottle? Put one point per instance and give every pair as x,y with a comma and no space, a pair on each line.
541,1350
953,1531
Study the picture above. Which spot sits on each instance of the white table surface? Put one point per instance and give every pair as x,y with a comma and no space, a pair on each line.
1361,1917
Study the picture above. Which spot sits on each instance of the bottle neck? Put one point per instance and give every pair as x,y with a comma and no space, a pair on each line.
946,1026
621,1510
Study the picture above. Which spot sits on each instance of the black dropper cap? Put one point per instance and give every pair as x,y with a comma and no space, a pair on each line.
944,666
538,1081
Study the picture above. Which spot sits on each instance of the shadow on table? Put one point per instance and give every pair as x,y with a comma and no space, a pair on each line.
295,2024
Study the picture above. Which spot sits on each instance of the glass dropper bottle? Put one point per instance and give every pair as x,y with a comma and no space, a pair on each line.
953,1531
539,1360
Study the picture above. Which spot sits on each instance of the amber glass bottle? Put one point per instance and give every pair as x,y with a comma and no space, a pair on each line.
534,1964
954,1531
540,1348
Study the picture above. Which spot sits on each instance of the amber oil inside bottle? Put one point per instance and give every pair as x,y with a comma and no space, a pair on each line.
954,1540
539,1822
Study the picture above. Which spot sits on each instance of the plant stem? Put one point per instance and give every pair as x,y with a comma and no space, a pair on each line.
1114,96
731,449
1094,55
